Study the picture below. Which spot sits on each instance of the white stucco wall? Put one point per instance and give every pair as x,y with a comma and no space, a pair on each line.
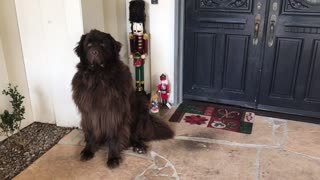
30,19
4,102
162,18
11,58
49,31
93,14
115,23
108,16
63,34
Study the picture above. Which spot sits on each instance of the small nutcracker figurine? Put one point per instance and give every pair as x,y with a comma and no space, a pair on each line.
154,102
163,89
139,40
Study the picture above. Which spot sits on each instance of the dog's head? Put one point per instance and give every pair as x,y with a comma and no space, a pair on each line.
97,48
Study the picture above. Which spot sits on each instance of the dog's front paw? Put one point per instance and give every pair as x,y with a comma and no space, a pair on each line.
113,162
86,155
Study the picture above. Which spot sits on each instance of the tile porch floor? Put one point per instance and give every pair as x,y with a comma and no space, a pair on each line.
277,149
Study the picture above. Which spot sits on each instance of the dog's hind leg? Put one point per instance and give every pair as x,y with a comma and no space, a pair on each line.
88,152
138,145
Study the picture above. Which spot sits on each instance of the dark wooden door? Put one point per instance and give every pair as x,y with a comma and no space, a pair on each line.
291,64
254,53
222,50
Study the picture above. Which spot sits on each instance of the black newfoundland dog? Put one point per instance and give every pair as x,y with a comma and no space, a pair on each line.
113,113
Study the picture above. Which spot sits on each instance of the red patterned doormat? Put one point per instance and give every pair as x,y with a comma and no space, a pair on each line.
214,116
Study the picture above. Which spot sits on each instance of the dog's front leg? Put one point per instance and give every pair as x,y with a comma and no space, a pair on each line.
114,157
88,152
116,145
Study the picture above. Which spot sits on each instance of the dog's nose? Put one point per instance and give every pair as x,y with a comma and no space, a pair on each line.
94,52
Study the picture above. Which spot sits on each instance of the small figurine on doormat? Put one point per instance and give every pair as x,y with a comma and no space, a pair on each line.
164,89
154,102
139,40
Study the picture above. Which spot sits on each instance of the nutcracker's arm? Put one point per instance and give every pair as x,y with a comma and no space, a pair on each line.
146,43
159,88
131,38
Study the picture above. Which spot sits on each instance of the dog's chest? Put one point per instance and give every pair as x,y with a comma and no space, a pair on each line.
101,89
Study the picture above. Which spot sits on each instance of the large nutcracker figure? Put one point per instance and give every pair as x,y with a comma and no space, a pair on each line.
139,40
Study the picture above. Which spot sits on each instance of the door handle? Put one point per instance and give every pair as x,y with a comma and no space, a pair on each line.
273,21
257,22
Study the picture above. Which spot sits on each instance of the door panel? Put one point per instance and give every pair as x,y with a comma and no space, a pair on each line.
300,7
236,55
290,78
313,87
220,59
240,6
285,67
204,61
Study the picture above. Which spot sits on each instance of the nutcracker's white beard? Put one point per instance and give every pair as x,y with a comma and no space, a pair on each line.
164,82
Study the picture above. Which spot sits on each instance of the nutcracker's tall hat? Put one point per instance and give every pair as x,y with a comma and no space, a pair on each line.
137,12
163,77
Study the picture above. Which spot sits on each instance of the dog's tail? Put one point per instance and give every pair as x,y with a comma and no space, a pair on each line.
149,127
159,130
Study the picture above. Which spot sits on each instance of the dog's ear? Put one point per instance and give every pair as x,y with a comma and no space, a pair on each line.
79,50
117,46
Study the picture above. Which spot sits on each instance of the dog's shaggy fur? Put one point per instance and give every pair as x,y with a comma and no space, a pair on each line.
113,113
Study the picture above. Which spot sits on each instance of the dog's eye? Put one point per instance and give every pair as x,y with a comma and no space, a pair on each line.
89,45
103,45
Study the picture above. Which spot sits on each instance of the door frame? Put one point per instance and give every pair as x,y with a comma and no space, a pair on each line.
178,53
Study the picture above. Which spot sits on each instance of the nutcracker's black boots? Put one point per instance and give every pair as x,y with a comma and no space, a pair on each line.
164,103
